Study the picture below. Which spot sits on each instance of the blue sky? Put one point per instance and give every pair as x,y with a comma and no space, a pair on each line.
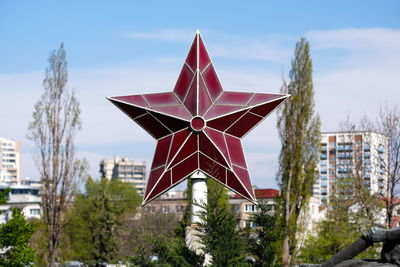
131,47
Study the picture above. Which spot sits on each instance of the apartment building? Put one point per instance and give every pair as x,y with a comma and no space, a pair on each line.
24,196
170,202
361,155
176,202
9,161
244,209
125,170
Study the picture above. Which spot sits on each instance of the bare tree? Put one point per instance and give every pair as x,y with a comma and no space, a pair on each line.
53,128
365,204
387,123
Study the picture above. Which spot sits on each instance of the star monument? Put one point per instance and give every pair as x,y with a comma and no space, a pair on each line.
198,126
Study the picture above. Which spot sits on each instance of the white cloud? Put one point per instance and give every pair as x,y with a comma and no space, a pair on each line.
263,168
272,48
359,80
371,39
264,49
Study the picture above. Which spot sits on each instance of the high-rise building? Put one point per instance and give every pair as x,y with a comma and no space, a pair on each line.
9,161
362,155
125,170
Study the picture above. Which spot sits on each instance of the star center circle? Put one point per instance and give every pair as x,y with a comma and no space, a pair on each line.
197,124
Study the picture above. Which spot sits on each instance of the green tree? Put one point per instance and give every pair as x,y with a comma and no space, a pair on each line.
171,251
95,219
218,230
14,238
299,133
56,120
263,241
340,227
336,231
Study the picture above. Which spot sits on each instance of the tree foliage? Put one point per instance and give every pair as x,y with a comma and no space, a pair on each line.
166,251
14,239
95,219
336,231
218,231
4,195
264,240
387,123
340,228
299,133
56,120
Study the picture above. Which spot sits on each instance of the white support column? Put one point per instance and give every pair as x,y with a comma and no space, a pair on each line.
199,195
199,199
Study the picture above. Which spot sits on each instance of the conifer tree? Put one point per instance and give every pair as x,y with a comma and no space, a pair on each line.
299,133
219,234
263,242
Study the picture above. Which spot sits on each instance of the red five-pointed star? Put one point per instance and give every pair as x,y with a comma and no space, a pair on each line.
198,126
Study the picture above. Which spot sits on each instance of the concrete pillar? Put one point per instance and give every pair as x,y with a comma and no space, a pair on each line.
199,199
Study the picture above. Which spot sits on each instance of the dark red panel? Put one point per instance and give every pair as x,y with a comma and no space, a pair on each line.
185,168
212,168
223,123
203,55
132,111
234,98
244,125
177,141
137,100
161,99
234,183
191,98
212,82
210,150
183,83
235,151
219,140
261,98
152,126
176,111
191,59
153,178
244,177
219,110
163,185
161,154
189,148
171,123
264,110
204,98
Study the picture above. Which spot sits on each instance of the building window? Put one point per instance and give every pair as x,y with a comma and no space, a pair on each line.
150,209
34,211
250,208
251,224
165,209
180,208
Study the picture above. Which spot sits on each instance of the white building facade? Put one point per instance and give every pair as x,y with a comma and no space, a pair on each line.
24,196
9,161
125,170
351,154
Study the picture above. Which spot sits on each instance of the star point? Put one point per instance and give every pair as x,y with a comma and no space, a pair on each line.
198,126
